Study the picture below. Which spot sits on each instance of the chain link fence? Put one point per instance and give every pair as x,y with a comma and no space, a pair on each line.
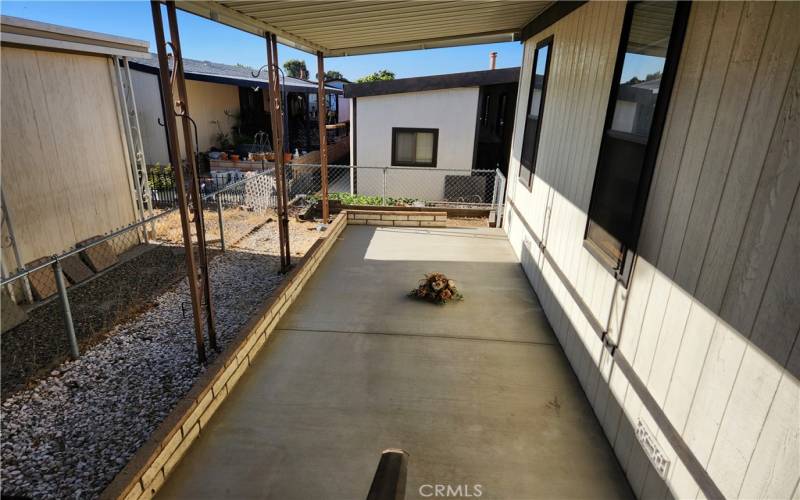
58,304
400,186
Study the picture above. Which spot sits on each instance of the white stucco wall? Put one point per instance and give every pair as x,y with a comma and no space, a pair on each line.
452,111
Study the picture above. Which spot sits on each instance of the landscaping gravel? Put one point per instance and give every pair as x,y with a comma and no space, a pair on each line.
72,432
37,346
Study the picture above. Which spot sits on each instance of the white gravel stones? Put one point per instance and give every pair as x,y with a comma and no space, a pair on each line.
71,433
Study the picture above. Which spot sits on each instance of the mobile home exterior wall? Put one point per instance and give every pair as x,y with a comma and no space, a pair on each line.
208,103
452,111
66,173
708,322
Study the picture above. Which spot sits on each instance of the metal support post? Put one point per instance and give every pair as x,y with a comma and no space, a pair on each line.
322,115
221,225
170,123
194,177
26,282
277,120
62,293
383,191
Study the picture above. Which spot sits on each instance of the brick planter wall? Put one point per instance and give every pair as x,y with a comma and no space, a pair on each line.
156,459
397,218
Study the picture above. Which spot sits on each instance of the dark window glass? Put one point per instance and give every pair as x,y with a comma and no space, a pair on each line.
643,79
414,147
533,122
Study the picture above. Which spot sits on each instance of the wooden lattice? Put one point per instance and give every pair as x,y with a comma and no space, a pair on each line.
259,192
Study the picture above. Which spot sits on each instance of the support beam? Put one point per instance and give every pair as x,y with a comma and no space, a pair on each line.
171,126
277,120
194,176
322,115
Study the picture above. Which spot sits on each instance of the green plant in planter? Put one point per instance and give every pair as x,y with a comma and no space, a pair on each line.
361,199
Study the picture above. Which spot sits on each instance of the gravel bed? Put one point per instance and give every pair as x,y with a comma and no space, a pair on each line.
31,350
70,434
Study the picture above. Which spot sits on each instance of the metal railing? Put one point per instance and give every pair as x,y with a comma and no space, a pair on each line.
52,277
243,203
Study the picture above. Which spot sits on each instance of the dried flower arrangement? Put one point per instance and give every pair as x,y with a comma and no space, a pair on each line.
437,288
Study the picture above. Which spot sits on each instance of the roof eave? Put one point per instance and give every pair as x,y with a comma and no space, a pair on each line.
221,14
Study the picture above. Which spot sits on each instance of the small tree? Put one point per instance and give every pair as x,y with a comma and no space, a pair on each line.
383,74
332,74
295,68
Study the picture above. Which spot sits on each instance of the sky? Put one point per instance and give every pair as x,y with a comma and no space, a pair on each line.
206,40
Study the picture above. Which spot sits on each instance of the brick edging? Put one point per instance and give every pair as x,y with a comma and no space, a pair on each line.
396,218
146,472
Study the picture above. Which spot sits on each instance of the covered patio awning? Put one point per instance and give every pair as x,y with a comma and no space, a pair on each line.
341,28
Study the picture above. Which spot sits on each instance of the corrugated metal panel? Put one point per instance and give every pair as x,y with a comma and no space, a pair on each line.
351,27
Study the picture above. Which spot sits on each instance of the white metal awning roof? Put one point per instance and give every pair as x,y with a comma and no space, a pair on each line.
339,28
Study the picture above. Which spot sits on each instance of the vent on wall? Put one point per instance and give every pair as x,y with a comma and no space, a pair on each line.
652,450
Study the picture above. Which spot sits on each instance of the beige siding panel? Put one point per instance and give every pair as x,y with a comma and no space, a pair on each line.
716,381
208,103
773,471
732,110
700,127
728,121
746,411
673,330
65,170
778,320
693,56
689,364
762,113
767,221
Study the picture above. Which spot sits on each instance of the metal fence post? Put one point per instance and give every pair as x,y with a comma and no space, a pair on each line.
221,225
352,180
62,293
383,193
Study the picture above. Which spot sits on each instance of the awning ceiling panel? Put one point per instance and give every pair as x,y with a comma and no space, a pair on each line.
339,28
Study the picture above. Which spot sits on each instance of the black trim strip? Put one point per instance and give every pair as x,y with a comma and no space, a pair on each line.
230,80
693,465
435,82
550,16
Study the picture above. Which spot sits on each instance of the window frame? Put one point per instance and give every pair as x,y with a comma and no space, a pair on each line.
434,157
622,266
549,42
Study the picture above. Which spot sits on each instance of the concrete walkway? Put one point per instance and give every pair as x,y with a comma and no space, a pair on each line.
478,392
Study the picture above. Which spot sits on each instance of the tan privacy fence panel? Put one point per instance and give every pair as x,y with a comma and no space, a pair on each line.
64,164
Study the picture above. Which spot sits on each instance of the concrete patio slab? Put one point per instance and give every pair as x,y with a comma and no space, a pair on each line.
478,393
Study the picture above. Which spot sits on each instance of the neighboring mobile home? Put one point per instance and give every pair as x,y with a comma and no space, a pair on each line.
228,100
66,167
652,201
460,121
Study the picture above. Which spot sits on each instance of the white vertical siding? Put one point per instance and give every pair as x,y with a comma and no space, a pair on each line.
710,319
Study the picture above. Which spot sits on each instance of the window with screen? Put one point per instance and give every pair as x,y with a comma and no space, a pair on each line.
414,147
533,121
650,44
